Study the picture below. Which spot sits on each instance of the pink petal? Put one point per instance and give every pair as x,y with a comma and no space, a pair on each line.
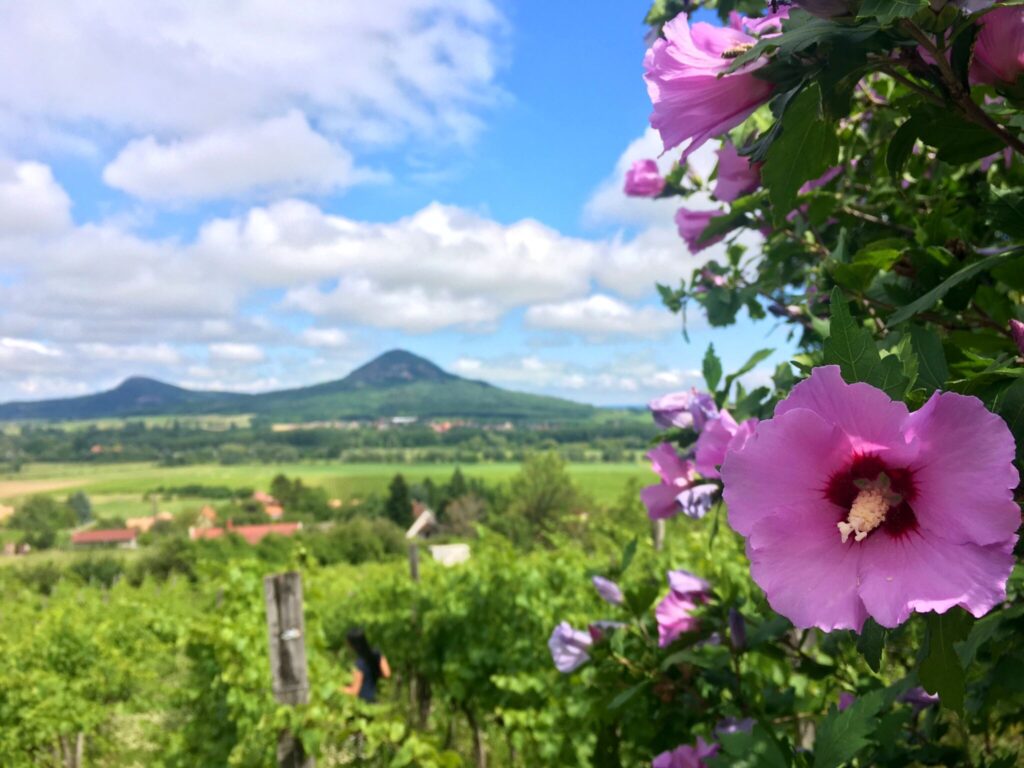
669,466
921,572
661,501
781,471
865,413
713,442
964,471
806,572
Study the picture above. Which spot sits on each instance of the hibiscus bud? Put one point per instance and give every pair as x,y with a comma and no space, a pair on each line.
608,590
845,700
644,180
1017,332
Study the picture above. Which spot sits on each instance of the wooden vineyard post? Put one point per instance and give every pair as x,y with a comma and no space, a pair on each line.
414,561
658,534
286,632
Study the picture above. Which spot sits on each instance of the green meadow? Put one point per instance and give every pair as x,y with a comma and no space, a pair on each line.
117,489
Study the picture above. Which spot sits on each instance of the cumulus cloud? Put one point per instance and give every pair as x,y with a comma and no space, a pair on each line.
31,200
623,380
600,316
228,352
381,71
330,338
162,354
281,155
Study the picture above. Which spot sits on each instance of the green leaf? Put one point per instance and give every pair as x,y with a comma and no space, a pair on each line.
941,671
712,368
1011,407
747,367
806,148
933,296
901,147
1006,212
983,631
756,749
887,11
841,735
628,553
627,694
870,643
932,370
852,348
956,140
859,273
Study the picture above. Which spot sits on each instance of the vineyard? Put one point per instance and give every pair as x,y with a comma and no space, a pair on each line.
821,570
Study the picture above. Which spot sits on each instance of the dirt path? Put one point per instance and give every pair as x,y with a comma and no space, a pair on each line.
12,488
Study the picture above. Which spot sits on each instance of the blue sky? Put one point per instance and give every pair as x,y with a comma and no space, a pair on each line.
264,199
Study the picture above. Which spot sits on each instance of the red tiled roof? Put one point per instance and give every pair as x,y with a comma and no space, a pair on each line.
253,534
109,536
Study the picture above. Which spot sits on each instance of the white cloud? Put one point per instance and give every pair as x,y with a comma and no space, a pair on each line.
11,348
282,155
228,352
331,338
380,71
600,316
620,381
31,200
162,354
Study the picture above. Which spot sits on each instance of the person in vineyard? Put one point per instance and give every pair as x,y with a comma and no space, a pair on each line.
370,666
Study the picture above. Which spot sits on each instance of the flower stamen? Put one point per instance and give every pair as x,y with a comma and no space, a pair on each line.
869,509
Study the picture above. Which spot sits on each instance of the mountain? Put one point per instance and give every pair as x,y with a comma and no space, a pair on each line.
397,383
135,396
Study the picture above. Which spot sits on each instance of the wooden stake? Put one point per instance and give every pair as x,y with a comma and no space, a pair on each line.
286,633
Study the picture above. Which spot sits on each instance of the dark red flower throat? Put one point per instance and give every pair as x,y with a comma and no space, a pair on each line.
845,485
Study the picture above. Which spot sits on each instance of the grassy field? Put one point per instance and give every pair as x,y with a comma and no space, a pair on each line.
122,485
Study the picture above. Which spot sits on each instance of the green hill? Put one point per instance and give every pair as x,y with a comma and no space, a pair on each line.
397,383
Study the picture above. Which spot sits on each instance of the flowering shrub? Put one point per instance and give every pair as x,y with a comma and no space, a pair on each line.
874,152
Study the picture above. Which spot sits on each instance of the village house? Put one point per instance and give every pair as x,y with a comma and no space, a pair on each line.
144,524
253,534
123,538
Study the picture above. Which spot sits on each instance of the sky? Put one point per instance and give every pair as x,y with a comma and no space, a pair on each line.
250,196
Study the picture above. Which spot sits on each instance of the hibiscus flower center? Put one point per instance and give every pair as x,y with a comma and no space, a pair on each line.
872,495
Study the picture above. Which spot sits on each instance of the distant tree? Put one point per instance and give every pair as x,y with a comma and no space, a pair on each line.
541,496
81,506
398,507
457,486
281,489
39,518
463,513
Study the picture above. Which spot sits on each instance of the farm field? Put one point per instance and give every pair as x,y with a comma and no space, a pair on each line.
120,482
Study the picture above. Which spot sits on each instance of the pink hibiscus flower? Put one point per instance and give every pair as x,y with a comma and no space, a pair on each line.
691,225
999,52
693,98
674,613
686,756
686,410
1017,333
644,180
720,435
854,507
679,490
569,647
737,176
